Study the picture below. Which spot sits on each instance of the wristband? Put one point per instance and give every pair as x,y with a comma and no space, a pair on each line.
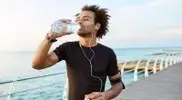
50,40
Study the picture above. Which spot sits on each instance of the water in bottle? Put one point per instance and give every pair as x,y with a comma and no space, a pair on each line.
62,27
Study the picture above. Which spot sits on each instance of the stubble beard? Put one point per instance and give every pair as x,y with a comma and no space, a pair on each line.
84,34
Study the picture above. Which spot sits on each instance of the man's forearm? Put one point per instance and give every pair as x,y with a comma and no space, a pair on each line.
41,53
113,91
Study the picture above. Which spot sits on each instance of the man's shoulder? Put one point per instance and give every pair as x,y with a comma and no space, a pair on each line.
106,48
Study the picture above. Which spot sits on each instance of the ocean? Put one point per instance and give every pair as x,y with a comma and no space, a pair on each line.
17,65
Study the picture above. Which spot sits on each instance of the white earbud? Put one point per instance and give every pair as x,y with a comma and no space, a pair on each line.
97,26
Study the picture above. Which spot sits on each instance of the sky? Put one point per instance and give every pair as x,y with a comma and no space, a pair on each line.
133,23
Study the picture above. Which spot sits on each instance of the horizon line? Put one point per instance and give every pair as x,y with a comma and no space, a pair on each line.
151,47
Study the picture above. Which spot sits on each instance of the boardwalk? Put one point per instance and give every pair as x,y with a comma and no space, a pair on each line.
164,85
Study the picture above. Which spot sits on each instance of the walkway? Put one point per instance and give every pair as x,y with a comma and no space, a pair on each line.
164,85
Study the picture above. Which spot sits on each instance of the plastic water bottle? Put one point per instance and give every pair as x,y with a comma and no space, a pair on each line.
61,27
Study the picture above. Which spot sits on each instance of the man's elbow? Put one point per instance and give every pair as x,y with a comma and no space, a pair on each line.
36,66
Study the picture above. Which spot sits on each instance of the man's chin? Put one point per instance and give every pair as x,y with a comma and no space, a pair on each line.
83,34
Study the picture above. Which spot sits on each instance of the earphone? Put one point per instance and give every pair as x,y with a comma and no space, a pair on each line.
90,61
97,26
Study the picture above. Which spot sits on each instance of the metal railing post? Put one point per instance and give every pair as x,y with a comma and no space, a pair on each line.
135,78
146,67
155,65
161,64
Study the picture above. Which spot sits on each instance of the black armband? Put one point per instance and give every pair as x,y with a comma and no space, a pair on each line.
118,80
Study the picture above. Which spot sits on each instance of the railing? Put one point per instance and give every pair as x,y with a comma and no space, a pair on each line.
140,69
159,63
12,82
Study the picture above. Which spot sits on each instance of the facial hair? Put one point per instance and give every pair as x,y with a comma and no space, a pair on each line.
83,33
87,34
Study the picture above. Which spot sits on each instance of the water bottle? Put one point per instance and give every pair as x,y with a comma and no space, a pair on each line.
62,27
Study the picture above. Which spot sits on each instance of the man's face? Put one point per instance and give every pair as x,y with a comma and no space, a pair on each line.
86,21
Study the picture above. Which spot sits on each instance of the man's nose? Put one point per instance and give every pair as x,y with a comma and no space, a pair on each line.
80,22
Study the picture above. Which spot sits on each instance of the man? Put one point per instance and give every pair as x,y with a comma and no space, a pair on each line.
88,62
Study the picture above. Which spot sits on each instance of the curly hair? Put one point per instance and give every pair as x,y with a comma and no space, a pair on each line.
101,16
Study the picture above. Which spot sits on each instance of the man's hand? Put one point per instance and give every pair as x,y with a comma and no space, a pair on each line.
96,96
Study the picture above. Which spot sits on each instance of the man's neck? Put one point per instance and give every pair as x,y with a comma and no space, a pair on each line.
88,41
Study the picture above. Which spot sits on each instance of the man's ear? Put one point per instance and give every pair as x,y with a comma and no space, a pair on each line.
97,27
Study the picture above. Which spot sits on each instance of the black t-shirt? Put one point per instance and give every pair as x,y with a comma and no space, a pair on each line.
80,80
